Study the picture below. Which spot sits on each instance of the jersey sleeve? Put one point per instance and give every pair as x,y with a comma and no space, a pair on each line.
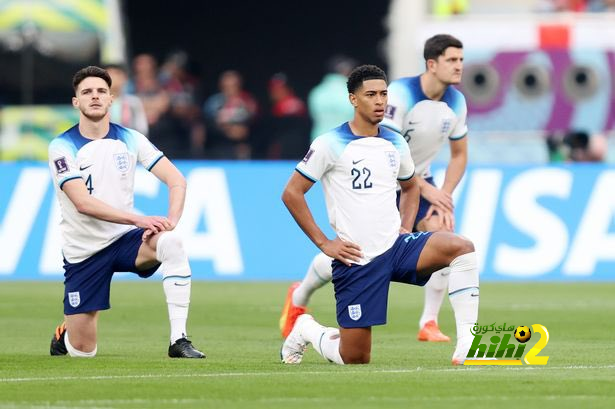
461,110
318,159
62,164
406,164
147,154
397,106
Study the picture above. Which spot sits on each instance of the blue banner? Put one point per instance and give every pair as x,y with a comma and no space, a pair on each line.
527,222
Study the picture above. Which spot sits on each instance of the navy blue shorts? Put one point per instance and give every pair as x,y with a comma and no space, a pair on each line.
362,292
423,204
87,283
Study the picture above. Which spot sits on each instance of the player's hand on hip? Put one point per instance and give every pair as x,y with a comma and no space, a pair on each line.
438,197
344,251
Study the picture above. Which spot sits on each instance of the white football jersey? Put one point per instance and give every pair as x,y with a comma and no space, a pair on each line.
107,167
426,124
359,177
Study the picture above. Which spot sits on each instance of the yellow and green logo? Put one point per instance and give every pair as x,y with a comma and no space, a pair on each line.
501,351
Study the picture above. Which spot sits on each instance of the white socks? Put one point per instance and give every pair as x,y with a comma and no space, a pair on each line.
326,340
177,291
75,353
176,281
434,294
464,295
318,274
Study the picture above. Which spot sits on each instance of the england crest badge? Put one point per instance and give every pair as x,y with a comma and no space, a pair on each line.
122,162
74,299
354,311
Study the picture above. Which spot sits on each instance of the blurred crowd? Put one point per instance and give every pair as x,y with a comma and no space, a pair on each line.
164,101
579,6
443,8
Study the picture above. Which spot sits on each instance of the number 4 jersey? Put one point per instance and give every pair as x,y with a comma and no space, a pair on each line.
107,167
359,177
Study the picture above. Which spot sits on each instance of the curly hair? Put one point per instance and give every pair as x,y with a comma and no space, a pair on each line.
364,73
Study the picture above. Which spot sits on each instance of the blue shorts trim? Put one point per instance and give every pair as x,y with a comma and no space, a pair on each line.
361,292
87,283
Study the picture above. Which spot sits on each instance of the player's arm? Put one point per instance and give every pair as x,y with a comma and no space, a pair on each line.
457,165
294,200
439,198
86,204
454,172
168,174
408,202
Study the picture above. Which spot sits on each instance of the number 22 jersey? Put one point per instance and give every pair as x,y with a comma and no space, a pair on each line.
359,176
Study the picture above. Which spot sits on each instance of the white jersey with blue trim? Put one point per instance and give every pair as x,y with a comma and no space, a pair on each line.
359,177
426,124
107,167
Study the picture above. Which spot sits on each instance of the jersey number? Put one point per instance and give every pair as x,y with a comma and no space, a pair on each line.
88,184
357,183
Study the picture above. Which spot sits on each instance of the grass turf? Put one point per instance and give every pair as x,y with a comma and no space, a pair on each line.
235,324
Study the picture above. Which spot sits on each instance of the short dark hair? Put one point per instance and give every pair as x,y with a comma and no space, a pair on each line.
437,45
90,71
364,73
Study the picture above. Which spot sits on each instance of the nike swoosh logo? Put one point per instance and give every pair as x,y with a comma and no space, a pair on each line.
474,295
84,167
354,162
181,284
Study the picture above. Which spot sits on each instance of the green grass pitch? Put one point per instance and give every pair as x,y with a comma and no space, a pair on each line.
235,324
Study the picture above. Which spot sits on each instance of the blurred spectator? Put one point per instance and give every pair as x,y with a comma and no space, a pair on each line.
551,6
126,110
577,146
289,124
146,85
229,116
601,6
183,120
328,102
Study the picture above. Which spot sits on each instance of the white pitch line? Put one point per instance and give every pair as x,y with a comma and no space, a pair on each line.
284,373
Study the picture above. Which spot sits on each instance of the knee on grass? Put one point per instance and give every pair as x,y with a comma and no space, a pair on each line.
356,357
77,353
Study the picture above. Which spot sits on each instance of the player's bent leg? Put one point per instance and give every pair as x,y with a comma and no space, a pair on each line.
306,331
432,223
458,253
319,273
80,334
356,345
169,251
435,289
440,250
464,296
75,353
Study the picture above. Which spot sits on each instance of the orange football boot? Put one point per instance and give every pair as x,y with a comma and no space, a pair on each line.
290,312
431,333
